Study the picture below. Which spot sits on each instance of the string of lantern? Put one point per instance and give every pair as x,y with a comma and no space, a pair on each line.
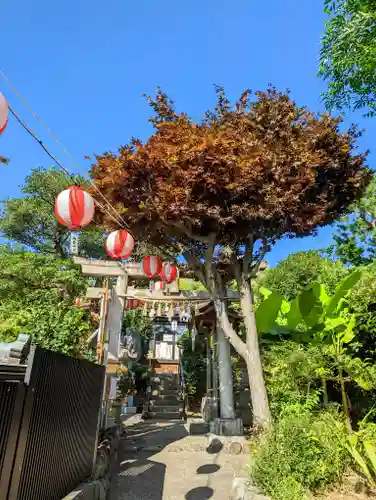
75,209
115,215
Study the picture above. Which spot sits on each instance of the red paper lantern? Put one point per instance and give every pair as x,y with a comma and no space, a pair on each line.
74,208
151,266
3,113
169,272
159,285
119,244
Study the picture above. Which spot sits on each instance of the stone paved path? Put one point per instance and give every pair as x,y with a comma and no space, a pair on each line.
163,462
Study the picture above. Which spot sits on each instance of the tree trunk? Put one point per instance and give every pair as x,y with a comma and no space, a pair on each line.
259,396
250,352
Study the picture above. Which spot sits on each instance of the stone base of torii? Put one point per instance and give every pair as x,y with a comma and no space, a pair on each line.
111,318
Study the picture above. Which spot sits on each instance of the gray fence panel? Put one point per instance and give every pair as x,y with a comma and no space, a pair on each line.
59,426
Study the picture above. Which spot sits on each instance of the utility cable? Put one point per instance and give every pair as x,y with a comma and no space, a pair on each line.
35,137
119,217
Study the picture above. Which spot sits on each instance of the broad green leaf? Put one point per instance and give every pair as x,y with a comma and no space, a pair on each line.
341,291
267,312
363,383
293,316
333,323
360,461
307,301
265,292
310,306
320,292
370,449
353,439
314,315
349,334
285,307
342,306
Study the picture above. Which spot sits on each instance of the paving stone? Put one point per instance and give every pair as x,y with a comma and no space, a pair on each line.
170,464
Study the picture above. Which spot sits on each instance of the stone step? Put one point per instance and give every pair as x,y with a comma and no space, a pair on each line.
169,376
165,392
158,403
165,384
158,378
168,398
166,409
165,415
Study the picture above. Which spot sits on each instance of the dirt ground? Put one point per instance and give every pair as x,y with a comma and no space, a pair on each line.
352,488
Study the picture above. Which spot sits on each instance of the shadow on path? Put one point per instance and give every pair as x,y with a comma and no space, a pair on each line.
142,473
200,493
139,477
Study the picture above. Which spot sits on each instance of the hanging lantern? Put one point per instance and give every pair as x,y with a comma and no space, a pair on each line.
74,208
169,272
151,266
3,113
119,244
159,285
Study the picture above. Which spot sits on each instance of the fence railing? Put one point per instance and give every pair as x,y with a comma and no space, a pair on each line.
48,426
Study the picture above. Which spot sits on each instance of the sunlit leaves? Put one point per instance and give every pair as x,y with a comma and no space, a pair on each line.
348,55
265,168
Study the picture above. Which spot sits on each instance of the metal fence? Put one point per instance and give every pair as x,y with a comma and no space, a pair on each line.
48,426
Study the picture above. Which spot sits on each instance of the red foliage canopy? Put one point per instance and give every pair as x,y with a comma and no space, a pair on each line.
264,169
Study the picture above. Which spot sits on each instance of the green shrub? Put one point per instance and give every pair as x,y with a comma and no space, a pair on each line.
304,452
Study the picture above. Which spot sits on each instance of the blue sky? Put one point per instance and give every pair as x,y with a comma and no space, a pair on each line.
84,65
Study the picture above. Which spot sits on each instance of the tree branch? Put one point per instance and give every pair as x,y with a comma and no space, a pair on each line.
196,265
261,255
186,231
247,259
209,260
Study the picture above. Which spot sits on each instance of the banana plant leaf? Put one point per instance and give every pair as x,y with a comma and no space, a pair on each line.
370,449
294,316
341,291
267,312
310,305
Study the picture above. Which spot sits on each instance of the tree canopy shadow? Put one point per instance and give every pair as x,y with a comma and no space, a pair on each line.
200,493
138,475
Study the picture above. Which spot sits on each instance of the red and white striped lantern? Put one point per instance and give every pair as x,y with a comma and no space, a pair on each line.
159,285
169,272
151,266
74,208
3,113
119,244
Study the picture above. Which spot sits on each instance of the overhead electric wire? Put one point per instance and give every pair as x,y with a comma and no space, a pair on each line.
29,131
58,163
120,219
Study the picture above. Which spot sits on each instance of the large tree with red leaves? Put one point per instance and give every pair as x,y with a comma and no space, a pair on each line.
222,191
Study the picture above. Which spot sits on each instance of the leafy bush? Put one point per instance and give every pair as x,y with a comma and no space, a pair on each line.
36,296
291,375
303,452
293,274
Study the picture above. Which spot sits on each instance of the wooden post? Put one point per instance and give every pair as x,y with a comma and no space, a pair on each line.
102,322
